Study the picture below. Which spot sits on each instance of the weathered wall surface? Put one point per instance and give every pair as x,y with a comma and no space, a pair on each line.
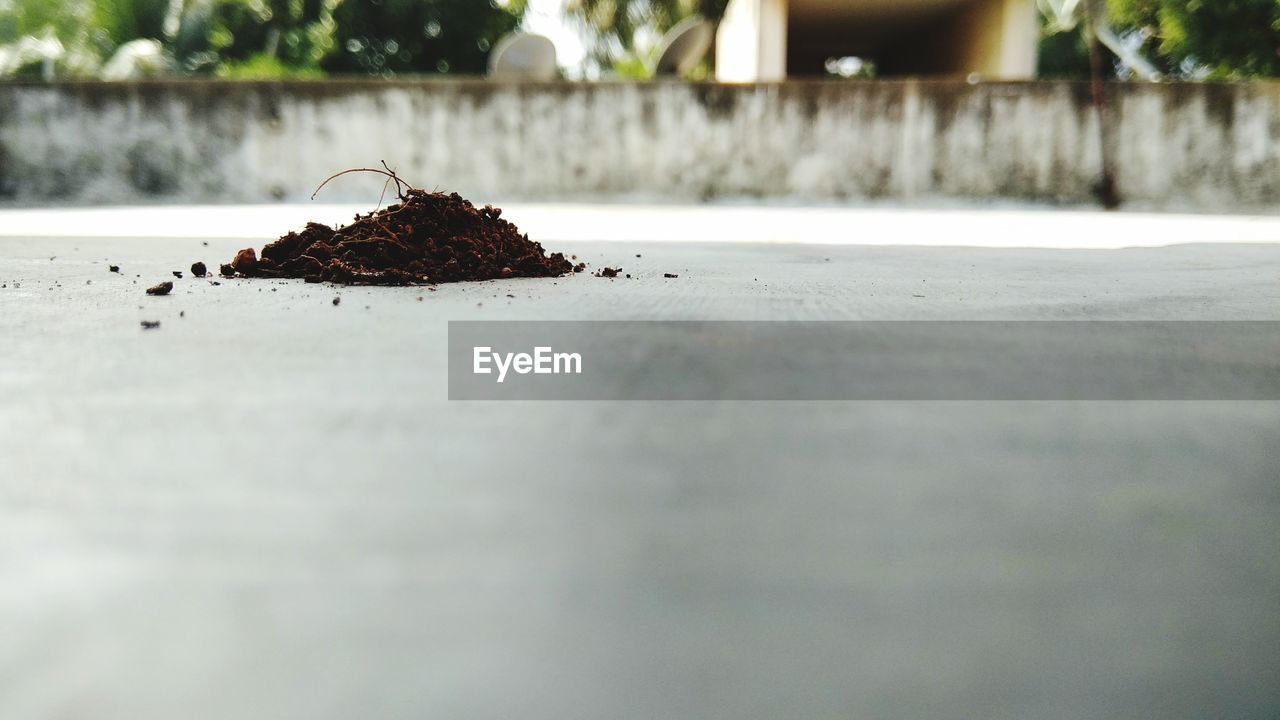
1208,147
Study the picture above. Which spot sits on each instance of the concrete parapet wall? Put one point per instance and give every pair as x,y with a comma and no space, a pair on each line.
1185,146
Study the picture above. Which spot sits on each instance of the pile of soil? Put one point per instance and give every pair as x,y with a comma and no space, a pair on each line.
428,237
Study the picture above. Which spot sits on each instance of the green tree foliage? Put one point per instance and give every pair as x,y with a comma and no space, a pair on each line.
1218,39
23,18
1065,54
387,37
1231,38
223,35
615,26
120,21
259,38
33,30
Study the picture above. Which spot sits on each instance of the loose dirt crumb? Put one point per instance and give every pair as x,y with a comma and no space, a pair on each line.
609,272
163,288
199,270
113,268
337,300
670,275
150,324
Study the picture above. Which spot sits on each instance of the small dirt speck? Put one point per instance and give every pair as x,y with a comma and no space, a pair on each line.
163,288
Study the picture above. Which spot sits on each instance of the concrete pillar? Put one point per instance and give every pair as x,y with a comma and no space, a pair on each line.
997,39
751,44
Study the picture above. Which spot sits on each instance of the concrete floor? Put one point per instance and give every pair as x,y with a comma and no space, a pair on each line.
266,508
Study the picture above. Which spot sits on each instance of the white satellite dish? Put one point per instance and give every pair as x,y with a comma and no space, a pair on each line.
523,56
684,46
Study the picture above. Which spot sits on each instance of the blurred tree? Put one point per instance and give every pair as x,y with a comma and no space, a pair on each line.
1232,39
120,21
32,18
386,37
43,39
618,27
1216,39
261,66
274,38
1065,54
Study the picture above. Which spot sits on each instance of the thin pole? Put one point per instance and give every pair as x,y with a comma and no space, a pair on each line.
1105,190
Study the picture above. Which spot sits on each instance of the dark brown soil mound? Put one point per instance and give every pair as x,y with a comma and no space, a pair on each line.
428,237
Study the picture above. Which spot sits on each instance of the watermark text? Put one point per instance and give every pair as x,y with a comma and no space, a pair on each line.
542,361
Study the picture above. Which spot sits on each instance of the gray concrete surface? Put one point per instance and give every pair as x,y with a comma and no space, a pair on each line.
266,508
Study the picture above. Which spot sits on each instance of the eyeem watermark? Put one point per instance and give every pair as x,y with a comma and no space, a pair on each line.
543,361
865,360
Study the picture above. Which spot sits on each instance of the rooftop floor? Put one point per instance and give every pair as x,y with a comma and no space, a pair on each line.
267,507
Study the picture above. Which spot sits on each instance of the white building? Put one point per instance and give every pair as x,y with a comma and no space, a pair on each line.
764,40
